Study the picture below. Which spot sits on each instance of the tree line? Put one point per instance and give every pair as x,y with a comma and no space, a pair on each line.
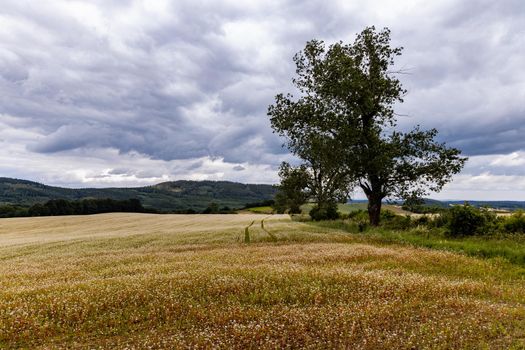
56,207
343,128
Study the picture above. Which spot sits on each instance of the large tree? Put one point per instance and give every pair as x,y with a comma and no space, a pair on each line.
346,99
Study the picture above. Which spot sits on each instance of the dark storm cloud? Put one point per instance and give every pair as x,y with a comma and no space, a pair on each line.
465,76
189,79
192,82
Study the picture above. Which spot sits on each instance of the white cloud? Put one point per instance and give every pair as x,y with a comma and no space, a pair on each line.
513,159
87,87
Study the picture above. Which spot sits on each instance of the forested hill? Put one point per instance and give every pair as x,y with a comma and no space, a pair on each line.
166,196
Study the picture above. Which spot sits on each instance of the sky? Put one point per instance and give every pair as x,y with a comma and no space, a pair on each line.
128,93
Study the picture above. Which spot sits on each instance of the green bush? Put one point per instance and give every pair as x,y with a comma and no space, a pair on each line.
515,223
422,221
441,220
359,218
294,209
387,215
465,220
324,212
357,215
398,222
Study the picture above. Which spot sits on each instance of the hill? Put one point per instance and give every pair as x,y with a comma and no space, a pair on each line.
166,196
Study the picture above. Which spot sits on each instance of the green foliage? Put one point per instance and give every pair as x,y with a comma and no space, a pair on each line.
177,196
495,245
515,223
293,190
262,210
59,207
343,125
422,221
9,211
213,208
326,211
459,221
360,218
422,209
398,222
465,220
422,206
389,220
440,220
265,203
358,215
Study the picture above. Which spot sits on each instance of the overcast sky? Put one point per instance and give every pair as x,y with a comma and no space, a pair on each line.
127,93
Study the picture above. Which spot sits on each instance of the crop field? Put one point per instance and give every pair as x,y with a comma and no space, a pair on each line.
135,281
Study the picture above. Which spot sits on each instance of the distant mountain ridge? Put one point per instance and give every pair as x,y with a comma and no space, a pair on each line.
166,196
428,202
503,205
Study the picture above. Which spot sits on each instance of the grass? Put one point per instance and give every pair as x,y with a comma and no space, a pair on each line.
351,207
342,208
261,210
509,247
179,281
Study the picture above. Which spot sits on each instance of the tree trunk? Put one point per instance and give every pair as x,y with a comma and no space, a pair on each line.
374,209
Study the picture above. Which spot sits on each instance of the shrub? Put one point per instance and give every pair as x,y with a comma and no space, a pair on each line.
422,221
357,215
515,223
398,222
465,220
422,209
441,220
387,215
294,209
360,217
324,212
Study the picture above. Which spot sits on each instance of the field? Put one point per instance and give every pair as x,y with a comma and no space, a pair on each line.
261,210
350,207
171,281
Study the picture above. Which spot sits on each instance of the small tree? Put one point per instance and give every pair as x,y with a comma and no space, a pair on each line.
293,190
345,117
325,179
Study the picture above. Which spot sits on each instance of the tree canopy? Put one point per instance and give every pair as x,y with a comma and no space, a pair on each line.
343,125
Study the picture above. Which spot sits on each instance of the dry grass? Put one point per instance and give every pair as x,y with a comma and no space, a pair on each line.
149,281
17,231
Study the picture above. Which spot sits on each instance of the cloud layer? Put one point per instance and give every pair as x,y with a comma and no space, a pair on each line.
135,92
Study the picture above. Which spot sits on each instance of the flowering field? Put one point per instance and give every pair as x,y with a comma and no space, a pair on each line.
168,281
